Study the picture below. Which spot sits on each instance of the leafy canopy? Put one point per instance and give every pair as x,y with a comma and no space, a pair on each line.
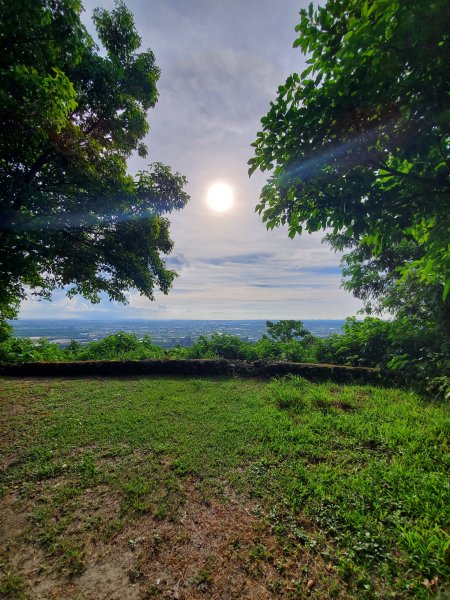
287,330
359,142
71,114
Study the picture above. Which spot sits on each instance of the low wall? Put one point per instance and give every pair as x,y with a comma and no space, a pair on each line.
196,368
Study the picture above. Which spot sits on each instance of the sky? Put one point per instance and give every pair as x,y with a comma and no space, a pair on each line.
221,62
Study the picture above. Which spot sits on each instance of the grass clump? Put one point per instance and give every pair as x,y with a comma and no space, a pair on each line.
369,467
12,585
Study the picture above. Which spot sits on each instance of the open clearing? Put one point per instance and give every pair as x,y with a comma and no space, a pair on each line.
221,489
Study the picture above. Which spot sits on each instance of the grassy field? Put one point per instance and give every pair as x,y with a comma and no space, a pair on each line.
221,488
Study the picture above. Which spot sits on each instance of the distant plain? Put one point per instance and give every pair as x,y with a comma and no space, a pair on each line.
165,333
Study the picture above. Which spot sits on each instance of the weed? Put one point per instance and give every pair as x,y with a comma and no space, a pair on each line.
12,585
87,469
151,593
73,558
154,544
65,494
112,528
135,493
259,552
235,545
203,579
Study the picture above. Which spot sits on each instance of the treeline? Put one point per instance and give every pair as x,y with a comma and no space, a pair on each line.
420,354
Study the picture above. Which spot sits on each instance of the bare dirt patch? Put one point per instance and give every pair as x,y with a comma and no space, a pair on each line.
345,406
215,550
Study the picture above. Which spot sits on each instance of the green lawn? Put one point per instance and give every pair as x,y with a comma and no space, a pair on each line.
221,488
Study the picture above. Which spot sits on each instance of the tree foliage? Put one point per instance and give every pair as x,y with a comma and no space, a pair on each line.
287,330
71,114
358,143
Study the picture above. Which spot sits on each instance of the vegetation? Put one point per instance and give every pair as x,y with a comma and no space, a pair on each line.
340,488
357,145
358,142
71,115
409,348
285,331
124,345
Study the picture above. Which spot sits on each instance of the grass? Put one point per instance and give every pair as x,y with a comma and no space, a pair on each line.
348,485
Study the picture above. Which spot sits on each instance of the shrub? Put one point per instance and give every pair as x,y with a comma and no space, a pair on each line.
365,343
222,345
16,350
120,345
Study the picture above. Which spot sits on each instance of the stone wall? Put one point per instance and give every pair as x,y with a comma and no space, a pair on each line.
196,368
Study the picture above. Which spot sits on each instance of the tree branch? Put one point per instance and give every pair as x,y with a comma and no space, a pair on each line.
37,166
403,175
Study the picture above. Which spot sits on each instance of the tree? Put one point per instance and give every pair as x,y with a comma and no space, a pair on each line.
71,114
359,142
287,330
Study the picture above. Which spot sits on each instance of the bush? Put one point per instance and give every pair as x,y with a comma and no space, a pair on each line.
222,345
119,345
234,348
365,343
417,350
292,350
16,350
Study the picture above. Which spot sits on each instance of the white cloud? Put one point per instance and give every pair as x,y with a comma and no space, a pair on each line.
221,63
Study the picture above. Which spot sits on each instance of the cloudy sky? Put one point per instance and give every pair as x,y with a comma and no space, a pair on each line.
221,62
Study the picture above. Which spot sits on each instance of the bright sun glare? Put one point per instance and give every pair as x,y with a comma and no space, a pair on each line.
220,197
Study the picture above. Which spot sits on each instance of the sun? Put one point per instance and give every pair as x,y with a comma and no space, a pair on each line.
220,197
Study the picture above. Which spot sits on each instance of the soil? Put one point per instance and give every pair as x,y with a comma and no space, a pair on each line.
207,553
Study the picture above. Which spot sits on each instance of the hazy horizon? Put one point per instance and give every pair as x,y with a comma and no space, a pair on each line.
163,332
156,320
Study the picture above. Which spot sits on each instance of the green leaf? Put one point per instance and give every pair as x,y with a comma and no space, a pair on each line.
307,71
446,290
